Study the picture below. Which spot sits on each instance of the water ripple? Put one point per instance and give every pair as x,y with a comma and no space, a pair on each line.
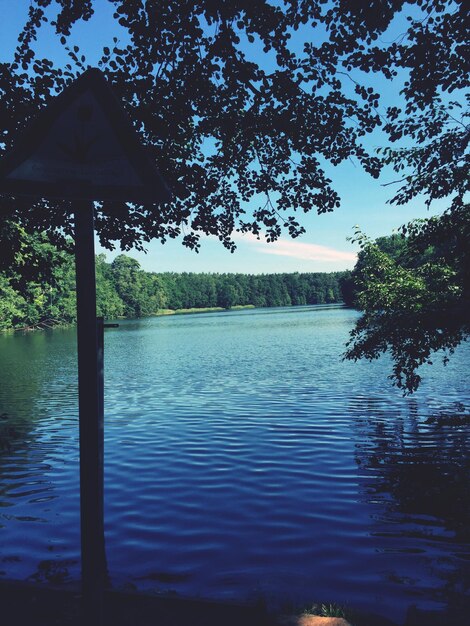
242,458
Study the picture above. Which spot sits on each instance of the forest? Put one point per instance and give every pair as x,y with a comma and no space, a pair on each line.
38,289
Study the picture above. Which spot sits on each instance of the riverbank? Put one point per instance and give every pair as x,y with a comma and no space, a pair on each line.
50,323
27,604
211,309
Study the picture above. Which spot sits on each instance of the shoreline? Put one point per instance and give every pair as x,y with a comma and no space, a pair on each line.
210,309
31,604
51,324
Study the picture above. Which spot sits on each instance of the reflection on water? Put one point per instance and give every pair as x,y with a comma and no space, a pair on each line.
424,466
39,498
418,472
243,457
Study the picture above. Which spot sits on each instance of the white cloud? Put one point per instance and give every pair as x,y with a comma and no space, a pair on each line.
298,250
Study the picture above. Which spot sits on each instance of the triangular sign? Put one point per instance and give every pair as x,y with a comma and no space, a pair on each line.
82,145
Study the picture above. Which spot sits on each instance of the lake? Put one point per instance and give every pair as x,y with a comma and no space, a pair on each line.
243,460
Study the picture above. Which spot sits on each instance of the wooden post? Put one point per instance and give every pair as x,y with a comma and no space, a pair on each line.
91,421
100,326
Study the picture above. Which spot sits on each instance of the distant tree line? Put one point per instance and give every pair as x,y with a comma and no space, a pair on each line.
38,285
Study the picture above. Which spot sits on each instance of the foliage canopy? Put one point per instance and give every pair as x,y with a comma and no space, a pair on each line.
241,122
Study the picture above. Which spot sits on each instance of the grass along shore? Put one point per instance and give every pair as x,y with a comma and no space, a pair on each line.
213,309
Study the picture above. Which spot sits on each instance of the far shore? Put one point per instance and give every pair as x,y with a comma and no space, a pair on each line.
50,323
211,309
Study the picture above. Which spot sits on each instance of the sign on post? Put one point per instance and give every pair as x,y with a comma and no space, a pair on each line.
82,147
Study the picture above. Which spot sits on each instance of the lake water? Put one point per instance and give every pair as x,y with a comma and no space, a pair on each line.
243,459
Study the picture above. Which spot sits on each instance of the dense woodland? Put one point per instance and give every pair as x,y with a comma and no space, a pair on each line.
40,288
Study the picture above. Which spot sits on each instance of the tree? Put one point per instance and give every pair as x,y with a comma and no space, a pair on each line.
37,279
12,305
189,81
227,295
127,279
414,290
109,303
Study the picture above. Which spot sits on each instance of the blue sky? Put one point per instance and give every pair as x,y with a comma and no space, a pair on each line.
324,246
